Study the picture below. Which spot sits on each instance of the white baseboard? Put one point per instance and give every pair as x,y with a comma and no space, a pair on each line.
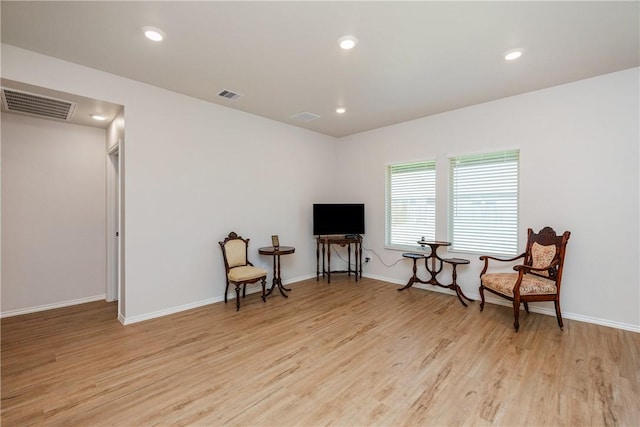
532,307
171,310
52,306
251,289
565,315
299,279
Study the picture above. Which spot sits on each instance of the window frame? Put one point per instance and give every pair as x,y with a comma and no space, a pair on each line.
505,223
429,166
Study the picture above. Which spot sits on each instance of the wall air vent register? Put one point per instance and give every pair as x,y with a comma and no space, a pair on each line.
16,101
229,95
305,116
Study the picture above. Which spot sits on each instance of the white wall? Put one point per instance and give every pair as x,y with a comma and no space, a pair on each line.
195,171
579,161
53,213
198,171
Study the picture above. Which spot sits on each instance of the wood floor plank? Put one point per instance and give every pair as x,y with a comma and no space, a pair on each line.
339,354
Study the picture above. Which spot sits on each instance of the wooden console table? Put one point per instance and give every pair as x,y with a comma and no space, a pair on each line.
323,243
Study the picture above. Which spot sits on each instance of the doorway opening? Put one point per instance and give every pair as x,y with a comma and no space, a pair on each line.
114,233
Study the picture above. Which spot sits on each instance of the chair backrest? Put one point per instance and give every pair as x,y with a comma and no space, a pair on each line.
234,251
545,248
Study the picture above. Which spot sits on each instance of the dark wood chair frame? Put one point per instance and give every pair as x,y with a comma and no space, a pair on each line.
243,283
547,236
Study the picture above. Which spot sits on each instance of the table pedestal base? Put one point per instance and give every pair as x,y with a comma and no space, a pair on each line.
277,283
433,281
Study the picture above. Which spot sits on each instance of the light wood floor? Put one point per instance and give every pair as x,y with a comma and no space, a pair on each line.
343,354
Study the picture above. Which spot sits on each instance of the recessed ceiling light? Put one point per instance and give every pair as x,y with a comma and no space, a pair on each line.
153,33
98,117
347,42
513,54
341,110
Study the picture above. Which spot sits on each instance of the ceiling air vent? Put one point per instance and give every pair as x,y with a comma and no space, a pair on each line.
36,105
229,95
305,117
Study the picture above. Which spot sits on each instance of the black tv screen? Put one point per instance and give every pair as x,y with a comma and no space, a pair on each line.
338,218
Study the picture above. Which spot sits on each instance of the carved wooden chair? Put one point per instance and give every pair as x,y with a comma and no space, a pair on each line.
238,269
538,278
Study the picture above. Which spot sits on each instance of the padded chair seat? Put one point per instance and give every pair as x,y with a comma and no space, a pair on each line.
531,284
246,272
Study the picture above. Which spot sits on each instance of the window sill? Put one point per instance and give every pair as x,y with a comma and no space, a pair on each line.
407,248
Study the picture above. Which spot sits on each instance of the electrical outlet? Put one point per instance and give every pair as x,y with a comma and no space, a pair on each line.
367,259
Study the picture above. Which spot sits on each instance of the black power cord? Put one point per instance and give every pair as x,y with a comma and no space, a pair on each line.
373,252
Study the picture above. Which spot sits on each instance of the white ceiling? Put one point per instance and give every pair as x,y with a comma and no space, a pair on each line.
413,59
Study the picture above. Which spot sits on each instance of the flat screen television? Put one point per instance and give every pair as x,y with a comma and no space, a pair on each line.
338,218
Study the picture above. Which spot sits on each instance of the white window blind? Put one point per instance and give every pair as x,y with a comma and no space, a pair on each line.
483,203
410,203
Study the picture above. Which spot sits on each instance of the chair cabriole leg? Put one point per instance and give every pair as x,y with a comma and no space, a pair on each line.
516,314
237,297
481,297
558,314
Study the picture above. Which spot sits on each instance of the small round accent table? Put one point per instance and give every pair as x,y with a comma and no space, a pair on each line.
275,252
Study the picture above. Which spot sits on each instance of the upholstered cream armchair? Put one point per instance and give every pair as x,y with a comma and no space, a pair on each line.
238,269
537,279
